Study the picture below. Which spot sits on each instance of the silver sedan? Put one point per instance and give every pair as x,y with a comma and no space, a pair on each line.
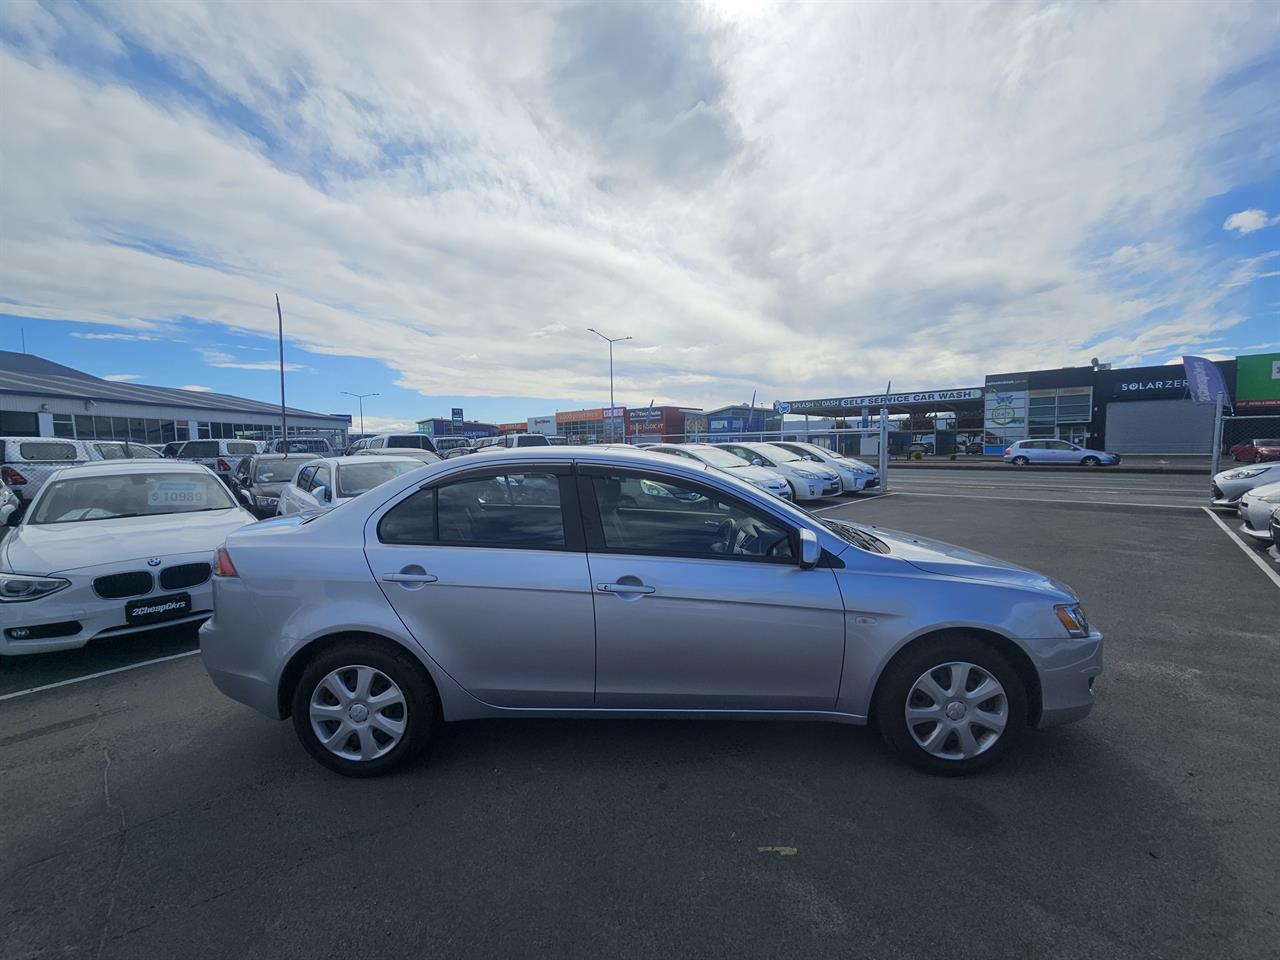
573,582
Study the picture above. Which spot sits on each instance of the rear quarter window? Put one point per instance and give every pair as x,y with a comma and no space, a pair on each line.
241,448
43,450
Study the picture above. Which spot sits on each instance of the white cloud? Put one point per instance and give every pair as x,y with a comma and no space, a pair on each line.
114,336
384,424
122,377
1248,221
801,201
224,360
196,387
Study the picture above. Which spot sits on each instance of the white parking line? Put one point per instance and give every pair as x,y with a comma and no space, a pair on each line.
94,676
851,503
1249,551
1091,503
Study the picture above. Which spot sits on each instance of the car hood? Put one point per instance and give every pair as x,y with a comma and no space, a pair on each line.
754,474
948,560
62,547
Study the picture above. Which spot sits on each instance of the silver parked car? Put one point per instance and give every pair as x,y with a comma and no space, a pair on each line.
324,483
578,582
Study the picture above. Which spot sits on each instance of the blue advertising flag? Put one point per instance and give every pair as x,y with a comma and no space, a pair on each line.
1205,382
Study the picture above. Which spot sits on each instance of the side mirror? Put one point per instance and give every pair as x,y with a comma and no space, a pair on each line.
757,462
320,493
10,515
246,482
810,550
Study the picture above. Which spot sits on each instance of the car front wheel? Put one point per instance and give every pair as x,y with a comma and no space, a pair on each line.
951,706
361,709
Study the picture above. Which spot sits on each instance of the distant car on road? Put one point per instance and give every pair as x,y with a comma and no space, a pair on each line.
588,582
1261,450
1230,485
1023,452
325,483
1256,507
108,549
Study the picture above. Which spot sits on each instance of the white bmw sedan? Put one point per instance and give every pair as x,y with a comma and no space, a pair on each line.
112,548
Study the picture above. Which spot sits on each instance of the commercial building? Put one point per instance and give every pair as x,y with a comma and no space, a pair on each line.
663,424
592,425
40,398
442,427
739,420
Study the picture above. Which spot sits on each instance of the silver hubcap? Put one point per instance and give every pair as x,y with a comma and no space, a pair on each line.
358,713
956,710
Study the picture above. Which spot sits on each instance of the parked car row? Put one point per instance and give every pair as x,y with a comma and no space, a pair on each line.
27,462
1253,492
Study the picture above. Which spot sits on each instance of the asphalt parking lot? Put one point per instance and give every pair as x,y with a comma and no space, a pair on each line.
146,815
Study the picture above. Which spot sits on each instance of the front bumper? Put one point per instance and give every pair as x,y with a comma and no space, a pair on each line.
1066,688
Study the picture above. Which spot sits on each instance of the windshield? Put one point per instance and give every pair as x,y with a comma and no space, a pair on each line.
274,471
357,478
129,495
777,453
720,458
1267,443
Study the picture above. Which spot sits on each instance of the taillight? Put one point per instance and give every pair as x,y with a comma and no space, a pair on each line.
12,477
222,565
1008,450
223,465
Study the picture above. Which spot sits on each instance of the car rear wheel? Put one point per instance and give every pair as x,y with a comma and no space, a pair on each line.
1090,461
1020,461
361,709
951,706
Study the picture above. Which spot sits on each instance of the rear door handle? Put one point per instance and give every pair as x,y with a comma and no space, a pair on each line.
624,588
410,577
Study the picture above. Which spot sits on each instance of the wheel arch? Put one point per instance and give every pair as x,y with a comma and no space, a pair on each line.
1017,657
297,663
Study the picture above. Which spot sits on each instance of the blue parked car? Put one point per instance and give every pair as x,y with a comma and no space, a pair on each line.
1024,452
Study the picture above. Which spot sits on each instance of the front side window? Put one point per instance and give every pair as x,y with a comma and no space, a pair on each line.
322,480
653,515
305,476
514,510
129,495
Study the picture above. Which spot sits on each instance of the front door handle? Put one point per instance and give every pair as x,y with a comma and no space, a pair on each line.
410,577
627,588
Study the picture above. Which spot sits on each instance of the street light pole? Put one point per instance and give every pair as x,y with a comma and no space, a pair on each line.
611,341
360,397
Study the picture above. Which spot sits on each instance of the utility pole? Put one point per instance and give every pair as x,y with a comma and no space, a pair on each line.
284,425
360,397
611,341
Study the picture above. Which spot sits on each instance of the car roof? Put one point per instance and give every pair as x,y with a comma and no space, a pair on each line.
102,468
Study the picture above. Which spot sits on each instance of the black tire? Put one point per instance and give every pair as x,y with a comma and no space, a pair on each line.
895,687
1020,461
1090,461
419,713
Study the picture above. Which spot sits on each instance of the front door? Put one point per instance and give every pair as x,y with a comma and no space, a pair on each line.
699,601
488,573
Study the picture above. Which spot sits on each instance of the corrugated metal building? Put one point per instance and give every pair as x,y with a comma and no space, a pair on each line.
40,398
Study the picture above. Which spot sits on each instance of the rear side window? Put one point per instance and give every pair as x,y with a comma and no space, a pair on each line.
241,448
517,510
45,450
110,451
199,448
532,440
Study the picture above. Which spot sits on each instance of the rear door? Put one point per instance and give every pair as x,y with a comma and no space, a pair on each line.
700,603
488,571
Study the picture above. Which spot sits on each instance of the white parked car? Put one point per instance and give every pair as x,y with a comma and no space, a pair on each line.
323,484
1256,508
112,548
855,475
809,480
1230,485
768,480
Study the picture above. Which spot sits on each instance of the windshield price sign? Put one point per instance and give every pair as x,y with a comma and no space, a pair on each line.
177,493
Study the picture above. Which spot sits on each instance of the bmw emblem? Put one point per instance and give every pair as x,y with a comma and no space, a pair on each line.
153,562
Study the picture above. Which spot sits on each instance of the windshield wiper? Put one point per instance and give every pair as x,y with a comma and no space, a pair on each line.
847,531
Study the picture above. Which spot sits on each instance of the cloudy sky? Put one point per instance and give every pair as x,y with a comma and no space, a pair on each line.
791,199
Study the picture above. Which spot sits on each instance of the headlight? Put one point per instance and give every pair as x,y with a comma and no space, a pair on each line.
806,475
1270,497
15,588
1072,617
1242,474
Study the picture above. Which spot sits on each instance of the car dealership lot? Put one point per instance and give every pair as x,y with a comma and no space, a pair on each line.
147,815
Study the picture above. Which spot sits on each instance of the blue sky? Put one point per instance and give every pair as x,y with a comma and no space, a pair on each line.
800,201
